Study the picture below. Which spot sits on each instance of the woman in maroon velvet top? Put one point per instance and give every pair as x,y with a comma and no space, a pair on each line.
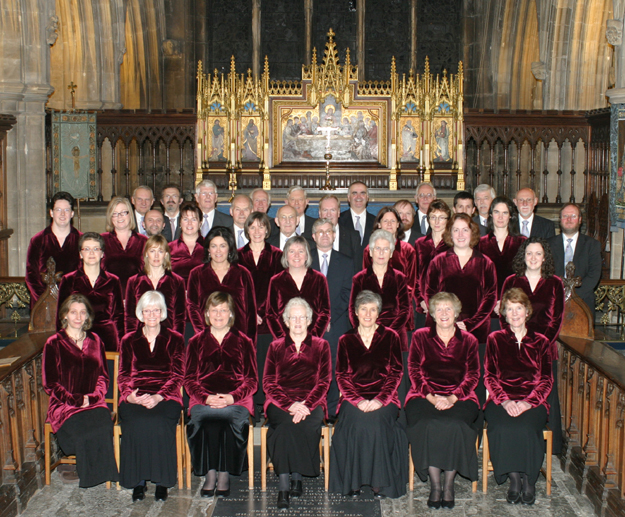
297,377
59,241
441,406
263,261
150,377
220,378
124,246
76,378
187,251
502,241
223,273
389,283
466,272
297,280
518,378
102,289
426,249
157,275
369,446
403,258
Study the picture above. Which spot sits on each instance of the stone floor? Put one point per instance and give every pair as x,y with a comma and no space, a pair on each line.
69,500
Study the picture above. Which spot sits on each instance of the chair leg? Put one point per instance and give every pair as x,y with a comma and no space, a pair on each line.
117,432
187,462
549,437
47,459
263,458
485,461
325,436
179,456
250,457
477,450
410,469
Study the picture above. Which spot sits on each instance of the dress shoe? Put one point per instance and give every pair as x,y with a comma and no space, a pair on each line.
222,493
283,500
528,498
379,495
296,488
354,493
207,493
513,497
160,494
448,504
434,500
138,493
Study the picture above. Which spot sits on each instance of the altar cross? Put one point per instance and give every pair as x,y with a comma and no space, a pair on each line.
72,90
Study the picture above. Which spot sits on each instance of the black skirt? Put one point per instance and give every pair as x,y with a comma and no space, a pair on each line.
148,443
443,439
294,447
218,439
516,444
369,449
89,435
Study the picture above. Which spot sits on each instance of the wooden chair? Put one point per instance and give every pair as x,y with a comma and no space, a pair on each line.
487,466
71,460
250,455
324,453
411,468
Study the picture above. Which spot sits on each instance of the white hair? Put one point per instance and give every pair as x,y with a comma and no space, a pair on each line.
205,184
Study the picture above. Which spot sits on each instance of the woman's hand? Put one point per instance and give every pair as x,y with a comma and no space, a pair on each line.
424,306
367,406
461,325
299,412
85,401
259,320
497,307
219,401
441,402
515,409
152,400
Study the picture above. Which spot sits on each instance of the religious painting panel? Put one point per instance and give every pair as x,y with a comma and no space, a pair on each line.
217,139
354,134
74,153
617,150
442,141
251,139
410,150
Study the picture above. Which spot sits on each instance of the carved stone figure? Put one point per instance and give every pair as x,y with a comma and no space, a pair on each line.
614,32
52,30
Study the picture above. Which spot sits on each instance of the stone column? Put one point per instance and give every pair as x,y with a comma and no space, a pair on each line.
256,37
413,35
26,31
360,38
308,9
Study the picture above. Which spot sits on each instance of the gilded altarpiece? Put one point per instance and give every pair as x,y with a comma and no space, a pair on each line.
407,126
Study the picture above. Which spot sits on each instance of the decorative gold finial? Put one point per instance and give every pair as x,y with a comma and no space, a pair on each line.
331,34
266,65
72,90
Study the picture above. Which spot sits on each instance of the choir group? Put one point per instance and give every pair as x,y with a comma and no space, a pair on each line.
409,327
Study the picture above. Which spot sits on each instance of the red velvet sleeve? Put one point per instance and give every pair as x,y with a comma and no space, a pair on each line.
271,386
472,375
542,388
356,289
52,375
249,371
66,288
419,385
250,304
99,393
321,295
403,304
176,309
131,304
344,373
317,395
194,291
124,377
488,296
273,313
192,383
395,371
117,310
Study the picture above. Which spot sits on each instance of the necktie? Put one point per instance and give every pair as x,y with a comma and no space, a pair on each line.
324,264
172,225
525,230
568,253
298,231
424,228
241,240
359,229
205,226
141,228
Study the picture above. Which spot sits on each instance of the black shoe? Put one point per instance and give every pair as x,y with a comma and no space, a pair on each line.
435,504
222,493
528,498
379,495
354,493
138,493
283,500
296,488
448,504
160,494
513,497
207,493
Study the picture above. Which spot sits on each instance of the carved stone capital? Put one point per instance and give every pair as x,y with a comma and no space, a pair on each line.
52,30
539,69
614,32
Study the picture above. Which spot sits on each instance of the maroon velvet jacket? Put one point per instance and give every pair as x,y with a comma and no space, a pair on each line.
291,377
43,246
229,368
69,374
107,302
374,373
171,286
475,285
159,372
238,283
547,306
123,262
502,259
404,259
314,290
439,370
425,252
518,373
396,308
268,266
182,262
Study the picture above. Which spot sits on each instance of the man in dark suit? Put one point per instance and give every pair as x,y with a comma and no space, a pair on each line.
240,209
171,201
346,241
142,199
297,198
339,272
357,218
424,195
584,251
483,196
463,204
532,225
286,221
153,223
407,214
206,198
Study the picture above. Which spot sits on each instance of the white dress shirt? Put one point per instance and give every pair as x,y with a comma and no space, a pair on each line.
530,222
421,215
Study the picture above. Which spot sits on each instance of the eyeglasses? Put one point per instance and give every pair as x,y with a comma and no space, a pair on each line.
89,250
438,218
147,312
383,250
325,232
569,216
62,210
115,215
298,318
424,196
